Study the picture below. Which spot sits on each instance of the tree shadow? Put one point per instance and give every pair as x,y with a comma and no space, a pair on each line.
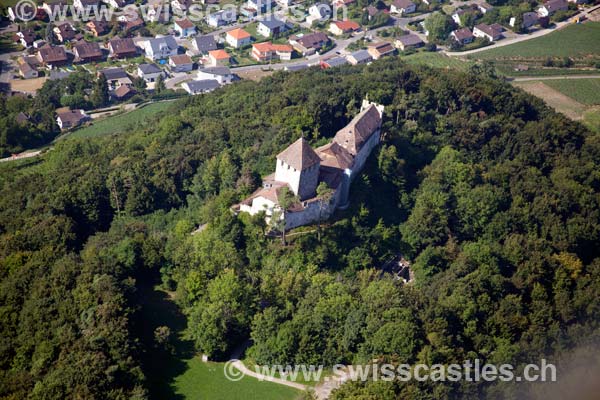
162,364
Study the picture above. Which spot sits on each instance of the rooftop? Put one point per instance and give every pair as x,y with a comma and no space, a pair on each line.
219,54
238,34
299,155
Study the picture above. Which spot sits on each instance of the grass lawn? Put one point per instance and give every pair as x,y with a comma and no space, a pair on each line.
572,41
120,123
437,60
181,374
586,91
206,381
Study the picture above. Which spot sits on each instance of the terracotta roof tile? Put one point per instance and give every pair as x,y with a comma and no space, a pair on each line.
299,155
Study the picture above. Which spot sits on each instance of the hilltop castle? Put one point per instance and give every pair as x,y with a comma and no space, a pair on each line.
301,168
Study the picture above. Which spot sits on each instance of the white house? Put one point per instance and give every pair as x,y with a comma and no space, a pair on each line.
160,47
220,18
149,72
198,87
552,6
402,7
181,63
222,75
318,12
238,38
490,32
184,27
270,26
71,118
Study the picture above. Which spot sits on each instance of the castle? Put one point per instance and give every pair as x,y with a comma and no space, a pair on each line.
301,168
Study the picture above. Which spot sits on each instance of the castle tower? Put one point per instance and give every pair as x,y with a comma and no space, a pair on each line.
298,166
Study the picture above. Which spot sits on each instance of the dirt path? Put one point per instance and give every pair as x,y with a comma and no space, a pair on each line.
27,154
561,103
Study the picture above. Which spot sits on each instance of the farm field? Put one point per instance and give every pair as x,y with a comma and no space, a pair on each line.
555,99
120,123
573,41
586,91
591,119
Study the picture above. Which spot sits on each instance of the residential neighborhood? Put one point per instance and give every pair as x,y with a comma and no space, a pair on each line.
174,53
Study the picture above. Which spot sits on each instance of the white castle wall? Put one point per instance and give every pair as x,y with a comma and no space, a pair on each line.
303,183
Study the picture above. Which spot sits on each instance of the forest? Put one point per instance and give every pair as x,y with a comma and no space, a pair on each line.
491,195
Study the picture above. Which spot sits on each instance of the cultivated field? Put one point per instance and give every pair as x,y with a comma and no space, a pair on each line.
560,102
586,91
576,41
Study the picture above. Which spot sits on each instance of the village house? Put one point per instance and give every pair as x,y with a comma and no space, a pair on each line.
116,77
64,32
490,32
184,27
359,57
484,7
117,4
237,38
220,18
261,6
180,6
223,75
309,44
122,48
333,62
402,7
462,36
458,16
204,44
318,12
181,63
27,71
55,8
52,56
550,7
86,6
26,37
218,58
529,19
149,72
130,24
97,27
199,87
39,43
339,28
70,118
295,67
87,52
301,168
122,93
410,41
160,48
268,51
381,49
271,27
